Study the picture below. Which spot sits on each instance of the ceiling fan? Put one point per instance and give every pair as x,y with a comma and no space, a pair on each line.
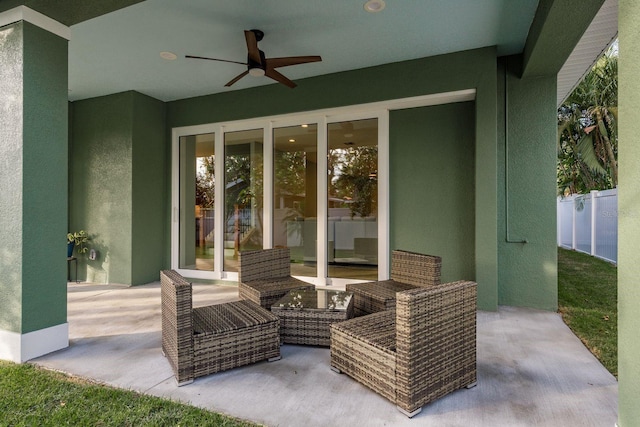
259,65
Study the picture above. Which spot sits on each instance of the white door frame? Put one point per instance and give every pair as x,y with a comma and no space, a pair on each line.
379,110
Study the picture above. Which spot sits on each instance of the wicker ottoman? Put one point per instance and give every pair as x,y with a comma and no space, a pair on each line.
305,315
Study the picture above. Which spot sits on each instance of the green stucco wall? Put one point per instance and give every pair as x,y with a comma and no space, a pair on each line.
117,186
33,178
527,190
462,70
444,73
150,175
100,184
629,215
432,185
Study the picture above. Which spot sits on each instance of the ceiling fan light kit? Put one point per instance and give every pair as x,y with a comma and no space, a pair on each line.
259,65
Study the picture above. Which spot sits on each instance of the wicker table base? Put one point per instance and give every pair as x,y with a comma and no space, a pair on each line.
305,315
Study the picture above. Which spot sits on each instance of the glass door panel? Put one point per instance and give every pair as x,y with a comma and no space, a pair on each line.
197,185
352,199
243,194
295,194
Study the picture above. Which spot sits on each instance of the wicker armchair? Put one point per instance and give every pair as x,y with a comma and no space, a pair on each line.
409,270
201,341
264,276
419,352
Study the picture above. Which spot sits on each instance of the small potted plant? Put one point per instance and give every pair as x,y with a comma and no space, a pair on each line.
79,239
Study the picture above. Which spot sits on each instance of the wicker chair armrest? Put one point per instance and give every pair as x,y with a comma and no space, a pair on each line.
435,341
177,324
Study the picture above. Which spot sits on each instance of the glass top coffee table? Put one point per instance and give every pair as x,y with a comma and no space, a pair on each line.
305,315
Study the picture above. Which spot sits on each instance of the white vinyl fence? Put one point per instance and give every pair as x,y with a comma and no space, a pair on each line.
589,223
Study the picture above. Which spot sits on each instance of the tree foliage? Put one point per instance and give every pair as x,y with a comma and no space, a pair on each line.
354,178
587,131
205,183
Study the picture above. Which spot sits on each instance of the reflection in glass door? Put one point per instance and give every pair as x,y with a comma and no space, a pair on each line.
331,226
295,168
243,194
196,200
352,200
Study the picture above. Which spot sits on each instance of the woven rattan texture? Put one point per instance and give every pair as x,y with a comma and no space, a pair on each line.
209,339
364,348
415,269
264,276
435,345
264,264
309,326
408,270
372,297
177,336
231,335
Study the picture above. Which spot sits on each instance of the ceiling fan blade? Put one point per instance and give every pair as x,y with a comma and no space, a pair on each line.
252,46
270,72
215,59
238,77
291,60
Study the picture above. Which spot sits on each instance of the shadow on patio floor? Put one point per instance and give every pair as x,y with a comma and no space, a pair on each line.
532,370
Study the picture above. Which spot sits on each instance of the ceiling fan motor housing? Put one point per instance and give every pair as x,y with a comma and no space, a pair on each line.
259,34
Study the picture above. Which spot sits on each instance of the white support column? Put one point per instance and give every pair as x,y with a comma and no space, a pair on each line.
321,240
34,152
383,196
219,212
267,179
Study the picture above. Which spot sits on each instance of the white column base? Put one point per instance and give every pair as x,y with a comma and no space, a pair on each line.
19,348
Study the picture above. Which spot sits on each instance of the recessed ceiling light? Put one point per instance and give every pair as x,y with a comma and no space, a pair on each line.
292,140
169,56
304,126
374,6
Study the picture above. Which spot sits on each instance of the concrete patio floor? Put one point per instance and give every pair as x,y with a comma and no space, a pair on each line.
532,370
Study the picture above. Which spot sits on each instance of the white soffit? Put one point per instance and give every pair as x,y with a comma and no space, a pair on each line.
23,13
598,37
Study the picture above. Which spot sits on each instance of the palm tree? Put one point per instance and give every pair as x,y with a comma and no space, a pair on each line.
587,130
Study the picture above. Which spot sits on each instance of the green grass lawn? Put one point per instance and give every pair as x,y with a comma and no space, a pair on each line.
31,396
588,302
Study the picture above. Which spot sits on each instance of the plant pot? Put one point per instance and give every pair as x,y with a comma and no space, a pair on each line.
70,247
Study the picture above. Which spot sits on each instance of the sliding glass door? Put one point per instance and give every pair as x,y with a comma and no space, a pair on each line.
307,184
196,202
295,194
243,188
352,199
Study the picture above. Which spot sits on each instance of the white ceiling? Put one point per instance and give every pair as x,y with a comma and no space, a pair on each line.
121,51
